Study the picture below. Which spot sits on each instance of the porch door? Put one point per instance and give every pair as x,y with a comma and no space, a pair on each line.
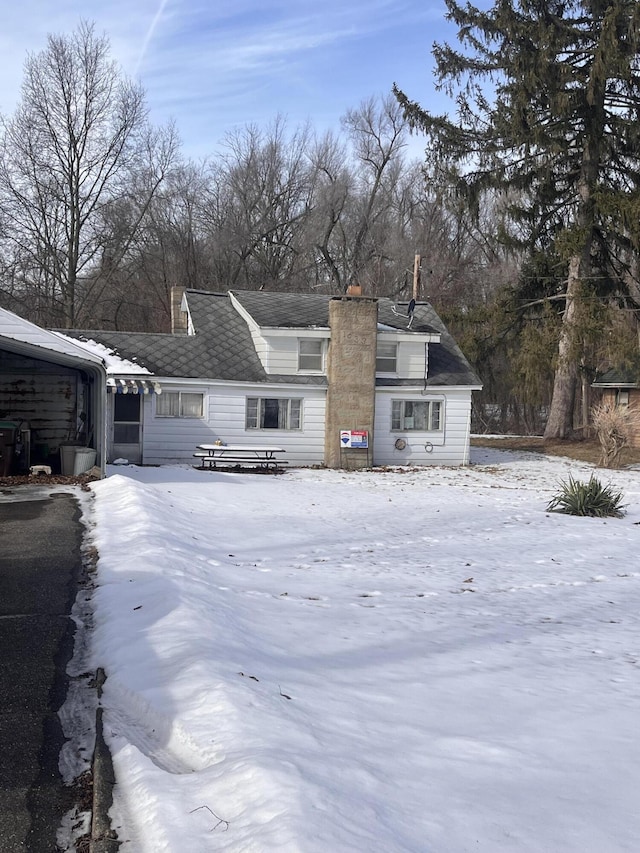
127,424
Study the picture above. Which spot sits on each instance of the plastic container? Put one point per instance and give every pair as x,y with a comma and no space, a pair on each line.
67,458
7,442
85,459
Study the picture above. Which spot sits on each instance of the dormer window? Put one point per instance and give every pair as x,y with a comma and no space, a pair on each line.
386,357
310,354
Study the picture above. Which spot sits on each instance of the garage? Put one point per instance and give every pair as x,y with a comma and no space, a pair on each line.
52,401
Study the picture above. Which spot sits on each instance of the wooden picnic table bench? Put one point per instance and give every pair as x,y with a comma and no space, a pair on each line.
214,455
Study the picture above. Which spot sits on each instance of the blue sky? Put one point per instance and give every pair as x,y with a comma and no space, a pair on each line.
215,65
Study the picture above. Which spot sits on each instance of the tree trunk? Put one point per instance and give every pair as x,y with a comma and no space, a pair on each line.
560,421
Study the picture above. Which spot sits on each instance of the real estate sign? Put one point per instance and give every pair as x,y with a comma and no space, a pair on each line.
358,438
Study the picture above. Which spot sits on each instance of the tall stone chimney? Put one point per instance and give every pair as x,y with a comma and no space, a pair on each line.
351,378
178,316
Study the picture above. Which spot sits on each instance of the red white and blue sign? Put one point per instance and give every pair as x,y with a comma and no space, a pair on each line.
358,438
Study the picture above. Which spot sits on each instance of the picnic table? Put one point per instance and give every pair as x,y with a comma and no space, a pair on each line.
262,456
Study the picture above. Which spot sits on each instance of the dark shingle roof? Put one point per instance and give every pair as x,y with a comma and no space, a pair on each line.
223,351
311,310
447,364
222,347
618,378
284,310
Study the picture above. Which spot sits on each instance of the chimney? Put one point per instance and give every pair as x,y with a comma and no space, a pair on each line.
178,316
351,379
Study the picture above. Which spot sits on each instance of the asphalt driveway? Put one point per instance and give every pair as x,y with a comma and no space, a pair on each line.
40,564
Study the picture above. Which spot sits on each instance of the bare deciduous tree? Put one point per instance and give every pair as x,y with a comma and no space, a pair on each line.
261,197
378,132
78,144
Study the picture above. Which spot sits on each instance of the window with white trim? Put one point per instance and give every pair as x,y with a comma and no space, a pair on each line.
420,415
386,357
310,354
273,413
179,404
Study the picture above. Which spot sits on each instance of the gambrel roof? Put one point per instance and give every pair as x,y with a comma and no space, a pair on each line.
222,348
447,364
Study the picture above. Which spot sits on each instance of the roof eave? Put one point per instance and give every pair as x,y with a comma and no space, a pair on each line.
620,384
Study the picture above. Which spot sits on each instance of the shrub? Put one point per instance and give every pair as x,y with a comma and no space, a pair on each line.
592,499
615,427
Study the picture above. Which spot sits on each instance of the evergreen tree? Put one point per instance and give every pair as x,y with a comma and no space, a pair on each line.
548,103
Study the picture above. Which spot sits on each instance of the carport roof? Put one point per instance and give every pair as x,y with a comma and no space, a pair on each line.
21,336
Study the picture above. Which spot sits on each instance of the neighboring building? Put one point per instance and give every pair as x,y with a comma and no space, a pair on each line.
52,395
621,388
296,370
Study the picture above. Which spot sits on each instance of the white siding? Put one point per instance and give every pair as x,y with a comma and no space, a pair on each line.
413,359
447,447
171,440
259,342
412,355
281,353
261,346
282,357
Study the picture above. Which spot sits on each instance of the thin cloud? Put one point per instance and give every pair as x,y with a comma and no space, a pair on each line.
25,28
149,34
250,41
213,66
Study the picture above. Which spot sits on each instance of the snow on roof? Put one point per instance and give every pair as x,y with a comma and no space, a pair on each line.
23,331
112,361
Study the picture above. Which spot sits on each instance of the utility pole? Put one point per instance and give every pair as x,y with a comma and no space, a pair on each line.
416,277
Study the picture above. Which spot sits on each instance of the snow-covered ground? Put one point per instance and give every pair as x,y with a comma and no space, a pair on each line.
421,660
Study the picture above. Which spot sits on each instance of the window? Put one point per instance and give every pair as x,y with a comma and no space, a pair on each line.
310,351
179,404
423,415
386,357
622,398
273,413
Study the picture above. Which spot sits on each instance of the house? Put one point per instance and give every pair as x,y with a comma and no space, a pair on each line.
341,381
52,400
622,388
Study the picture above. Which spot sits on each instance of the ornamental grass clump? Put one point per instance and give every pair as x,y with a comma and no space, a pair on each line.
616,427
592,499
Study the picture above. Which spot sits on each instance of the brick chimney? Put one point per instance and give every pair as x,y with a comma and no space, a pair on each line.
351,378
178,316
